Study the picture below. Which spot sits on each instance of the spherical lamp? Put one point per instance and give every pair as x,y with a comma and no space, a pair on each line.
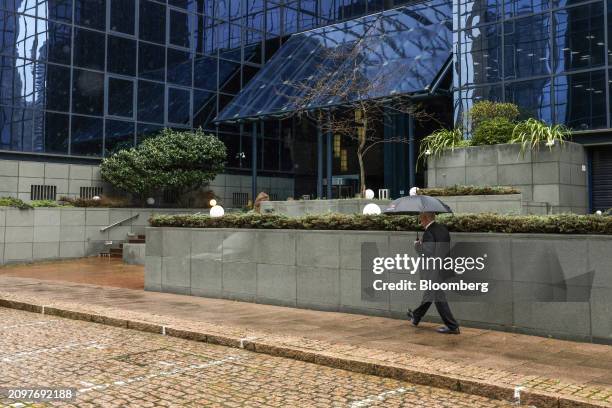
212,202
150,201
414,191
96,198
369,194
598,212
371,209
217,211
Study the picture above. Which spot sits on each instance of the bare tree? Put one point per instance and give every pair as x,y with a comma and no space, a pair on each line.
342,98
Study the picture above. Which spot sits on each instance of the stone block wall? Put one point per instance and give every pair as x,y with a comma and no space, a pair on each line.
17,177
556,177
322,270
59,233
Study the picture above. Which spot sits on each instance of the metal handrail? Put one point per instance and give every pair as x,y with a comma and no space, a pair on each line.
131,217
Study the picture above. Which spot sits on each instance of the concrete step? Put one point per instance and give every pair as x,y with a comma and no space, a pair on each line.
136,241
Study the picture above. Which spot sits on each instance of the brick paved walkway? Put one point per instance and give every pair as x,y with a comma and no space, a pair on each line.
553,368
113,367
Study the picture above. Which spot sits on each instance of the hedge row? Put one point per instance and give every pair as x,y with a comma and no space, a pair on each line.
468,190
553,224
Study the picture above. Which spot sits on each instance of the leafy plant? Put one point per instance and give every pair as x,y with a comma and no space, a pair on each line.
14,202
45,203
488,110
493,131
175,160
467,190
441,140
90,202
531,133
553,224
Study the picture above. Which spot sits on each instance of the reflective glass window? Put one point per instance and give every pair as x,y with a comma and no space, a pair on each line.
87,136
181,27
18,80
273,21
185,4
151,102
54,42
16,128
205,73
122,16
152,25
579,37
533,97
472,13
120,97
179,67
121,55
146,130
514,8
151,61
57,87
481,55
56,10
229,76
204,108
8,25
580,100
87,92
527,47
119,135
89,49
25,36
90,13
179,106
56,127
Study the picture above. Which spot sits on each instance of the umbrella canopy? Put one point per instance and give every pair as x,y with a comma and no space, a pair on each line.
417,204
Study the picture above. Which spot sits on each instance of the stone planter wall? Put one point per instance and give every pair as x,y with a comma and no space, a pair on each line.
60,233
322,270
555,177
471,204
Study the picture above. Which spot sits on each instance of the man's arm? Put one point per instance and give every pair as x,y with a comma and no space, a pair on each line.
426,245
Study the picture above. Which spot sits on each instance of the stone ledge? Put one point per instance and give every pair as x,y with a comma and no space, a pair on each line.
420,376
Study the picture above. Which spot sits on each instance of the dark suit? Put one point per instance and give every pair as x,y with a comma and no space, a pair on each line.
435,243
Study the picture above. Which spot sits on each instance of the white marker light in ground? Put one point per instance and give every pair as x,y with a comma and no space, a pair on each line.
369,194
217,211
371,209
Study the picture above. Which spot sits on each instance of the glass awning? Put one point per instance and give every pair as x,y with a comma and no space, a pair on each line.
395,52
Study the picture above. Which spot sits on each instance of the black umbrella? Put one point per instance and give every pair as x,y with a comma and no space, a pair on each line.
417,204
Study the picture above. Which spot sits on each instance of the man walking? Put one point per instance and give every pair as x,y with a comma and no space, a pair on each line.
435,243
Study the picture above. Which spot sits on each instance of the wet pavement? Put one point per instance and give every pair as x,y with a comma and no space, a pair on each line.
114,367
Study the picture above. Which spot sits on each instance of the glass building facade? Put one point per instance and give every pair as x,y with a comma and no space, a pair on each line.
87,77
550,57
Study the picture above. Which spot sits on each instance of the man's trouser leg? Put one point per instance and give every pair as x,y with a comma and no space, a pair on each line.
446,315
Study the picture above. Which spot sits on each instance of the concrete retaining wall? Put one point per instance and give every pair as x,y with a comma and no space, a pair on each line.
59,233
17,177
557,177
502,204
134,254
321,270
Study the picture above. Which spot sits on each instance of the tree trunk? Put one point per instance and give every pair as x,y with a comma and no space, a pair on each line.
360,153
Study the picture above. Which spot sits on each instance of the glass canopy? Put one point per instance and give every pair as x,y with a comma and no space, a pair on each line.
399,51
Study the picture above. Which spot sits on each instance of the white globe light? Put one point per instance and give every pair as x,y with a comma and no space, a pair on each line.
369,194
96,198
414,191
598,212
371,209
217,211
150,201
213,202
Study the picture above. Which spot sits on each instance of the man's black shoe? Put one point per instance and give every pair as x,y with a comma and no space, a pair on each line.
446,330
414,321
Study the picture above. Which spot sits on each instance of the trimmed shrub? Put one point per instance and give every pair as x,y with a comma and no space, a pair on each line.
467,190
547,224
14,202
489,110
493,131
104,202
46,203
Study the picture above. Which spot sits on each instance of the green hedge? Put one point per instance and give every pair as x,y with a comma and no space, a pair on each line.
468,190
553,224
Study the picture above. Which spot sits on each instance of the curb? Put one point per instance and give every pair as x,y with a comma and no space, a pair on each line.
481,388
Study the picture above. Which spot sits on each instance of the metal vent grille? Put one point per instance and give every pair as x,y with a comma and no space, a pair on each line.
273,196
240,199
42,192
90,192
